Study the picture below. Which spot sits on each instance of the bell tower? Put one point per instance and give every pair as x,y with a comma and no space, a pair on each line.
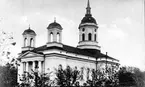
88,31
54,34
28,39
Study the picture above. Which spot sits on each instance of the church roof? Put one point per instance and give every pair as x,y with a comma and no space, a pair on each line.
29,31
88,16
89,53
54,25
88,19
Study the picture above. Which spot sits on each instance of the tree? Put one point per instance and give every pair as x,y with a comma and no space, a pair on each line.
6,41
8,75
67,77
138,76
36,79
131,76
102,78
8,72
125,78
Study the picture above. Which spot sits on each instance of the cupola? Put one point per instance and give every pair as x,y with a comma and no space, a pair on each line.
54,25
54,34
28,39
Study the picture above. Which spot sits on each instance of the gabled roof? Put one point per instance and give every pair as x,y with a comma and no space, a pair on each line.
24,53
89,52
34,51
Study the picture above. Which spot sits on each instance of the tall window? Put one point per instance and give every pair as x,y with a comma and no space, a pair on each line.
95,30
31,42
58,37
51,37
25,42
89,36
95,37
83,37
83,29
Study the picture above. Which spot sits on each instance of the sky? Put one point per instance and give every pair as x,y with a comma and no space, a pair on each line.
120,32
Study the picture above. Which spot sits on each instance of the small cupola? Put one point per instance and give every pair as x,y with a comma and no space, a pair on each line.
29,32
54,25
28,39
54,33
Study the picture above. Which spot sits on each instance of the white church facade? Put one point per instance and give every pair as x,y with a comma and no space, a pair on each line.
87,54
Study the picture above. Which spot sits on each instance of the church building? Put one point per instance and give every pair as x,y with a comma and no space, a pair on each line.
87,54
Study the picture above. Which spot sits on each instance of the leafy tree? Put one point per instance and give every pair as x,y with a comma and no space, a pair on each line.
6,41
35,79
102,78
138,76
8,75
67,77
8,71
125,78
131,76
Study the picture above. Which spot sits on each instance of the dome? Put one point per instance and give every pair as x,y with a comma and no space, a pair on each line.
88,19
54,25
29,31
88,16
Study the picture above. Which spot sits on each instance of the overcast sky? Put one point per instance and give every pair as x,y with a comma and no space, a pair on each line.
121,24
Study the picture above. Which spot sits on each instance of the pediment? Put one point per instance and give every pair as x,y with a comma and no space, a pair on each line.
30,54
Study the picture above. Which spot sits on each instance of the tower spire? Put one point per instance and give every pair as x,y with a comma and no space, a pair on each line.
88,9
88,4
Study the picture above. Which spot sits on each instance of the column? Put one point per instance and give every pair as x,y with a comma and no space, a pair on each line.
55,36
26,67
24,41
28,41
23,65
39,65
60,36
42,64
93,34
86,35
33,65
97,35
34,39
80,35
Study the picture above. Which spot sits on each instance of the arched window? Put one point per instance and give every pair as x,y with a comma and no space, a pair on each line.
95,30
51,37
25,42
31,42
83,37
95,37
89,36
83,29
58,37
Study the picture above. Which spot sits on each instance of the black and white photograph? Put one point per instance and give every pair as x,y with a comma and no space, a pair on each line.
72,43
